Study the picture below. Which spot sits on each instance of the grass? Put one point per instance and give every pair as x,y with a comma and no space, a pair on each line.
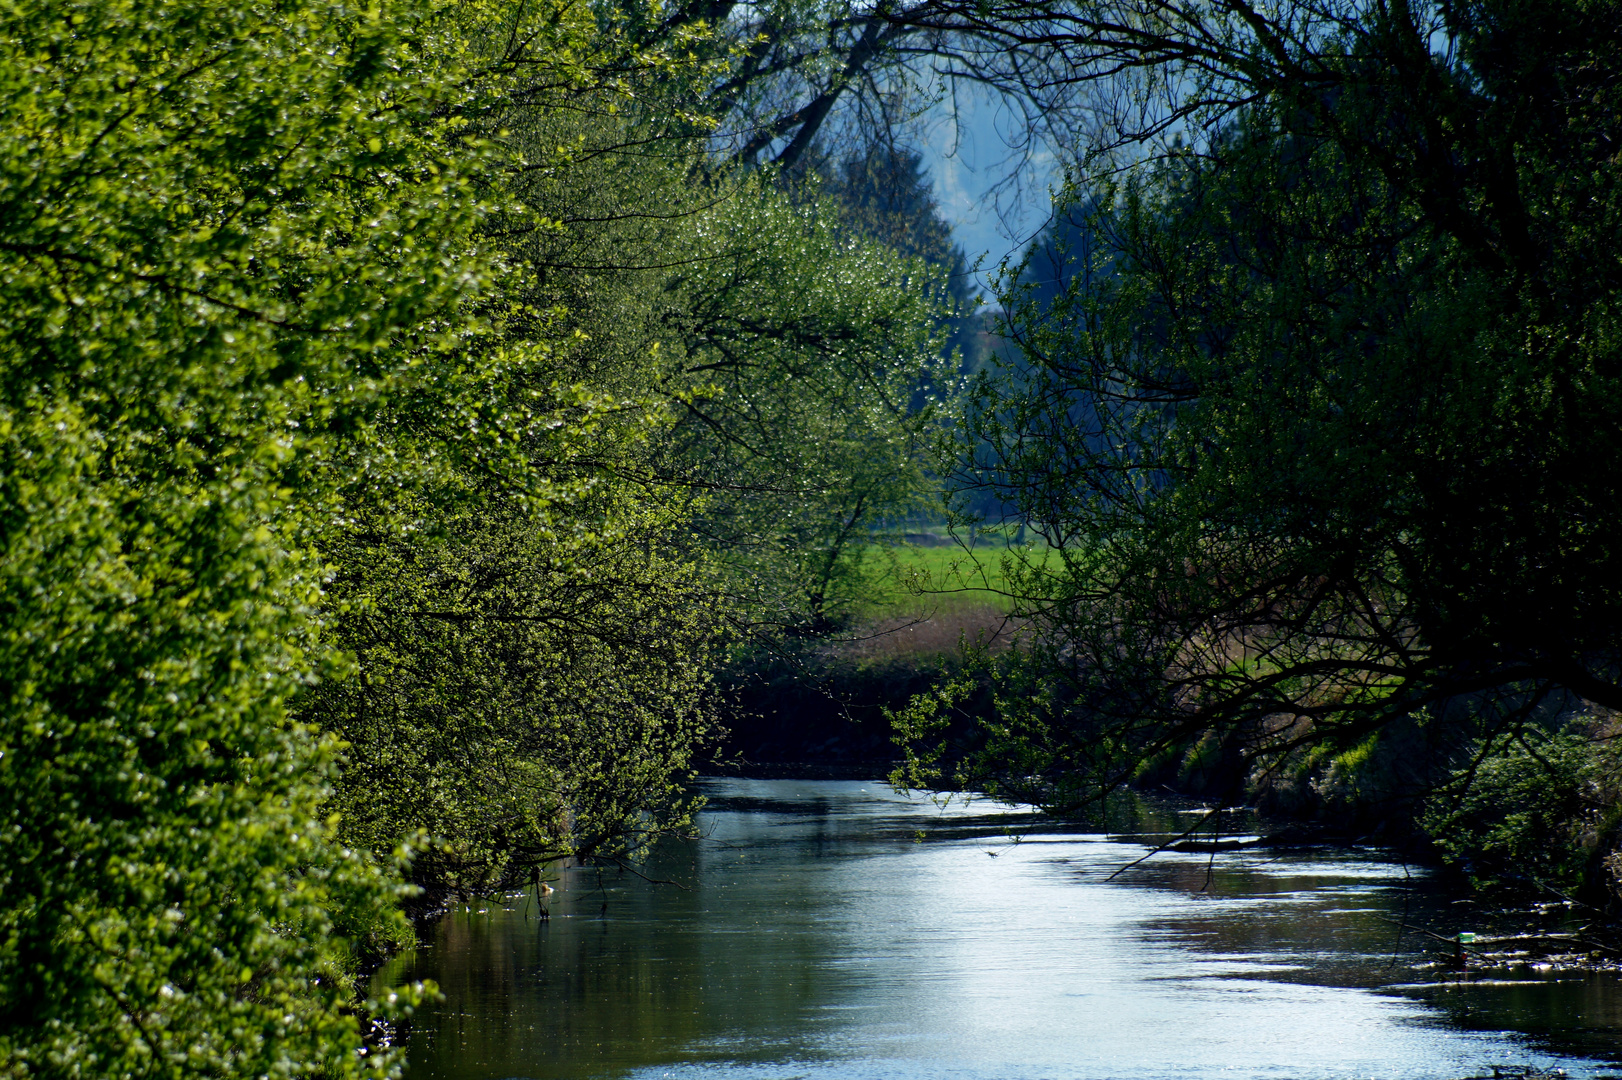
916,580
922,599
939,577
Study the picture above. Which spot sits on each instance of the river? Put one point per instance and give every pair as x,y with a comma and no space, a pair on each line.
833,930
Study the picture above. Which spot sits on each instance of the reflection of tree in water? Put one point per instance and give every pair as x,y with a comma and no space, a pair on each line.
654,983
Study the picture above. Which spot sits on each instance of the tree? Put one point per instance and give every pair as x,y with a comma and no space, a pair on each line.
525,694
797,355
225,231
525,629
789,73
884,194
702,413
1320,430
287,395
803,347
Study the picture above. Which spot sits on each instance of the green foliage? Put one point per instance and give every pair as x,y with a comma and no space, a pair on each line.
803,348
225,231
533,625
524,696
334,422
1528,813
1317,440
884,194
917,727
526,626
796,358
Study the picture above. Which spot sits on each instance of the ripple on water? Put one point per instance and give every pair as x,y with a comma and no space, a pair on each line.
817,939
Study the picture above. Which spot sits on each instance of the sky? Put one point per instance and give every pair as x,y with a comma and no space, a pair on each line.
965,160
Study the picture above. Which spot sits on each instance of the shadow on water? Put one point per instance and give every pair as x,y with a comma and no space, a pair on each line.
832,929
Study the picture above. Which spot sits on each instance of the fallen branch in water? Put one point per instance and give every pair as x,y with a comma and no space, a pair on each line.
1204,846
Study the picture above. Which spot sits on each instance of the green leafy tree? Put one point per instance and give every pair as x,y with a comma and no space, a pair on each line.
534,629
227,231
1319,431
531,683
794,354
804,349
300,383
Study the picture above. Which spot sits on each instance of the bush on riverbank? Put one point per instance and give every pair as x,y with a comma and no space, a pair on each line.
227,231
1522,813
1537,815
829,701
1527,816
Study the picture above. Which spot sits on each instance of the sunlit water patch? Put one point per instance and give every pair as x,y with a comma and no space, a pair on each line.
818,935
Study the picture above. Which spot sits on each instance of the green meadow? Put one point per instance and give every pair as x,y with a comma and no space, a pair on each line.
946,576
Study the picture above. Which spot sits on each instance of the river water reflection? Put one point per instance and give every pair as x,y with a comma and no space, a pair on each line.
834,930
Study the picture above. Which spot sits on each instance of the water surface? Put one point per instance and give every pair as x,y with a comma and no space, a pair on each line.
834,930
